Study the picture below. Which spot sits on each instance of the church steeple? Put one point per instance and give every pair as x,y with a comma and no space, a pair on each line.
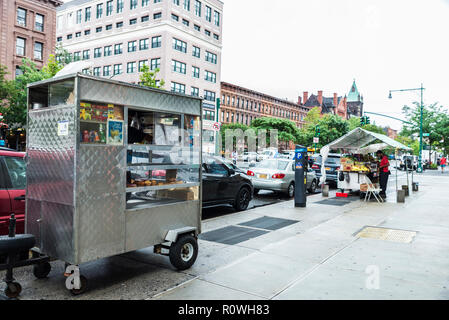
354,95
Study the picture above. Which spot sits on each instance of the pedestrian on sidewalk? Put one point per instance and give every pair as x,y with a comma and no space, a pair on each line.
384,172
443,163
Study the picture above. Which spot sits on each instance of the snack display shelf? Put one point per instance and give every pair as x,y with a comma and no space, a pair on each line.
163,187
93,121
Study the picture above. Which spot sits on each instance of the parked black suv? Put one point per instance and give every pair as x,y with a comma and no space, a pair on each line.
332,166
224,185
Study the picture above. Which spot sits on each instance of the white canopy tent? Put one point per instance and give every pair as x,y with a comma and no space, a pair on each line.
358,141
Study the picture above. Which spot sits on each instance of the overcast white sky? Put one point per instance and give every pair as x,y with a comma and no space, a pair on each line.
286,47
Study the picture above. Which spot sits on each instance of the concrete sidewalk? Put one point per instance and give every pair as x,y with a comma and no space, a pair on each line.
287,253
320,257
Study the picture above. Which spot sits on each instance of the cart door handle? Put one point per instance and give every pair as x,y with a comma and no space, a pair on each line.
20,198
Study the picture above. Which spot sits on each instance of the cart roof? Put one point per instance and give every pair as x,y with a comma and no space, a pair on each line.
359,138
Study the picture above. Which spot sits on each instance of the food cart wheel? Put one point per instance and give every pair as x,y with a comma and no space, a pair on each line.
183,252
13,289
41,270
83,287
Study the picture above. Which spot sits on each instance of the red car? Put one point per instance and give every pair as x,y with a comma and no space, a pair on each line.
12,189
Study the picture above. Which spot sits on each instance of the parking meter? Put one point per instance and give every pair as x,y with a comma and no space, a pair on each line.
301,167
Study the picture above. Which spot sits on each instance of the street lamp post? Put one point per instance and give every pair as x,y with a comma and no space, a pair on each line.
420,169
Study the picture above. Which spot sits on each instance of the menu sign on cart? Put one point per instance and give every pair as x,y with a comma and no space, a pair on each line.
115,132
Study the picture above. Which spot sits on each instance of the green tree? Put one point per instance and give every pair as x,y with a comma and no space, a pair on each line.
312,118
148,78
287,130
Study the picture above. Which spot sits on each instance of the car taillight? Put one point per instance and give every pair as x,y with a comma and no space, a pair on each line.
338,169
315,166
278,176
250,173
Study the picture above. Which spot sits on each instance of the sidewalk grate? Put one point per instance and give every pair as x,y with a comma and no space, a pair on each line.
394,235
268,223
333,202
231,235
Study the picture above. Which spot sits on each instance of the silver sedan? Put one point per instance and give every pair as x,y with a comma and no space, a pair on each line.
279,175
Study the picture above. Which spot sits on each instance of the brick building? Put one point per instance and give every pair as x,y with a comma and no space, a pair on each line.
334,105
242,105
27,30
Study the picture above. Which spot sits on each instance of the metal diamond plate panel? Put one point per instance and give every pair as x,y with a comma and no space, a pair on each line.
387,234
33,210
101,183
118,94
51,158
57,231
149,226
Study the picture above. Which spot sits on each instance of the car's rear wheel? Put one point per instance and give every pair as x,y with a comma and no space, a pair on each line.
313,186
291,190
242,199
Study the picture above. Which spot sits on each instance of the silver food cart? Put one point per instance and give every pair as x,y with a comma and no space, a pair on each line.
112,167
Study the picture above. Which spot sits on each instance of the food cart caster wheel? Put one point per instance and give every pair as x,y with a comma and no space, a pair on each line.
183,252
83,286
41,270
13,290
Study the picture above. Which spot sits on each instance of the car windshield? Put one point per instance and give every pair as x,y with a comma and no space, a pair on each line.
267,153
330,160
273,164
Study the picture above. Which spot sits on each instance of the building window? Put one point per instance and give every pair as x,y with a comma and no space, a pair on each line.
145,3
142,63
59,39
217,18
210,76
197,27
144,44
119,9
208,115
155,64
176,2
185,22
196,72
78,34
86,32
77,56
38,49
87,14
216,36
208,14
19,71
86,54
20,46
131,67
99,29
97,71
178,87
207,32
211,57
97,53
132,46
119,25
133,4
196,52
157,1
106,71
198,8
187,5
145,18
109,7
118,48
157,15
174,17
195,92
117,69
109,27
99,10
39,22
107,51
156,42
21,17
209,95
179,67
78,16
179,45
69,36
132,21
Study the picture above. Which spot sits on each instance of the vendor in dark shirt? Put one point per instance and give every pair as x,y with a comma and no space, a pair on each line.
384,172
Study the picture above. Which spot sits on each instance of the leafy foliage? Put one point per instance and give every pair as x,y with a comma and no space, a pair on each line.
148,78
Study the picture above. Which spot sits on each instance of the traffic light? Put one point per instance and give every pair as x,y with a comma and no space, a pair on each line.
362,121
367,120
317,131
